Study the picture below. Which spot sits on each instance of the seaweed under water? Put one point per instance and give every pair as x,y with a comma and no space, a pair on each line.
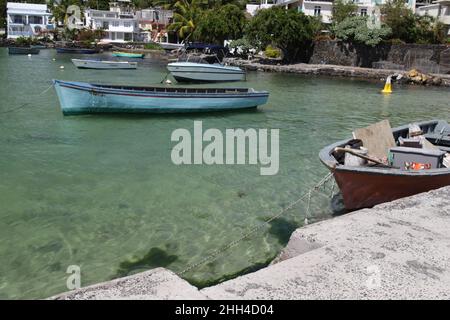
282,229
155,257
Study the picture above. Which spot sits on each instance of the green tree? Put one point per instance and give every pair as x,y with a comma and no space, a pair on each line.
428,30
289,30
409,27
343,9
222,23
400,19
354,29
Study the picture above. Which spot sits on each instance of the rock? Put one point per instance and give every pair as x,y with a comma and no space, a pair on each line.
412,73
437,81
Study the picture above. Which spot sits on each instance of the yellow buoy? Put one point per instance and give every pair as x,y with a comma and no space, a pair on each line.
387,86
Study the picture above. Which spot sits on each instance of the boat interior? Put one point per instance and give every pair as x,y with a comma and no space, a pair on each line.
436,132
177,89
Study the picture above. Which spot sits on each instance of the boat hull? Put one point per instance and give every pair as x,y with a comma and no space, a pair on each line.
128,55
94,64
77,98
367,189
77,50
23,50
200,72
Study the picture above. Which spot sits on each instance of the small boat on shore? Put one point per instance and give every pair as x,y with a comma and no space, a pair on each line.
170,46
103,64
77,50
376,182
128,54
204,72
82,97
23,50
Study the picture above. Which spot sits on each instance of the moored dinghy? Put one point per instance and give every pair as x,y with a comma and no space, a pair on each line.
204,72
128,54
410,170
23,50
77,50
81,97
103,64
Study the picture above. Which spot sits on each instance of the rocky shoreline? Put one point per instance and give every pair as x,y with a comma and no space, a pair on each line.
410,77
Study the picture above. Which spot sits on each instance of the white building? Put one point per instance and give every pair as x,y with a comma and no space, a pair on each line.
27,20
119,23
255,5
438,9
322,8
153,23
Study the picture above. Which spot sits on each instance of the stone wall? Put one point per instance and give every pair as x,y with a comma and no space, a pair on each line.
426,58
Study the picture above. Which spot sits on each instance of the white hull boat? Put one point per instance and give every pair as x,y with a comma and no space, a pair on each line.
103,64
203,72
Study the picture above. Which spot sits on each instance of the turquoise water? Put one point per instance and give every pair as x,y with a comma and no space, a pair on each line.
101,192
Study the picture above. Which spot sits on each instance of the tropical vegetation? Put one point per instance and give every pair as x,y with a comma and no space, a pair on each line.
355,29
409,27
289,30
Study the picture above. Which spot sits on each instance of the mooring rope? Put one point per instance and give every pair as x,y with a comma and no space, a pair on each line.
26,103
215,254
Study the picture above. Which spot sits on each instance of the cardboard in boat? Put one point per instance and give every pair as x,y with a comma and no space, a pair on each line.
377,138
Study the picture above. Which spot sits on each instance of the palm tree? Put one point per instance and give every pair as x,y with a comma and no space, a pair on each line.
185,17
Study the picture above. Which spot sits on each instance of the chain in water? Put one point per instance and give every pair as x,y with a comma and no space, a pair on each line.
215,254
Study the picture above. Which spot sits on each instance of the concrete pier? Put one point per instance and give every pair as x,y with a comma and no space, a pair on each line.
333,71
397,250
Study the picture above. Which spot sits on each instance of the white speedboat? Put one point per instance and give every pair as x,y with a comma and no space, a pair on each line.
103,64
204,72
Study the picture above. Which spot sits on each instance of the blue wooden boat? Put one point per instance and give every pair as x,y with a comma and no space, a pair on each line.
23,50
77,50
81,97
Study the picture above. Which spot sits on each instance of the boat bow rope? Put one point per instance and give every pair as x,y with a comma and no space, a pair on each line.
26,103
307,195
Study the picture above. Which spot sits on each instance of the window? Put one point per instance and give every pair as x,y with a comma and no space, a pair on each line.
364,12
115,23
105,25
127,24
128,36
18,19
35,20
317,11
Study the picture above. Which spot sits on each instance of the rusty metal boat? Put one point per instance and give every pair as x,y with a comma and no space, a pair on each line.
366,186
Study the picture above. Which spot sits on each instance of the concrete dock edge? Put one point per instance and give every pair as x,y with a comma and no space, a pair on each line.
397,250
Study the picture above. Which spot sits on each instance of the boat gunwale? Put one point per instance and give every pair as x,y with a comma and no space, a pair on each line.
331,163
105,61
172,93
